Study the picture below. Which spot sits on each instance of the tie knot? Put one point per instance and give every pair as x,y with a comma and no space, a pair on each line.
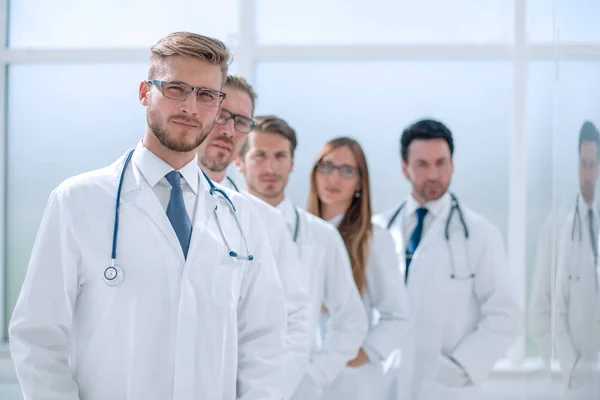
174,179
421,212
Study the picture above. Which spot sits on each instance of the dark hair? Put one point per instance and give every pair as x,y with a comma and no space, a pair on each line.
426,129
589,133
273,124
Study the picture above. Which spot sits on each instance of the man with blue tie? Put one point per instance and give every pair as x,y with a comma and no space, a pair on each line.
465,316
144,281
415,238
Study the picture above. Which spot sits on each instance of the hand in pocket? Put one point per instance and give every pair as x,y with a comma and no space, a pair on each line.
451,374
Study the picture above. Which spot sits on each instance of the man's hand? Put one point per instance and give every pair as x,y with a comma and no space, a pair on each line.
361,359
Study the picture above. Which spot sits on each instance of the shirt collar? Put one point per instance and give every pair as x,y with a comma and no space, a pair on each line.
435,207
153,169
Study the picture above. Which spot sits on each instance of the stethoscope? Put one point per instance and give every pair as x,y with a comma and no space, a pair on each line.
113,275
578,225
232,184
297,225
454,205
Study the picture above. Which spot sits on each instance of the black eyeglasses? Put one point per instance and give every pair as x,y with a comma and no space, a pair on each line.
346,171
241,123
180,92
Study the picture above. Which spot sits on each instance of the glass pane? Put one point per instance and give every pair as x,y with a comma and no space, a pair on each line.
324,100
123,23
56,130
384,21
562,306
540,207
572,20
576,306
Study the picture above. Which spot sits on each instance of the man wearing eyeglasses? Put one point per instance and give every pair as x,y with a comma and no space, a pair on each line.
227,136
160,309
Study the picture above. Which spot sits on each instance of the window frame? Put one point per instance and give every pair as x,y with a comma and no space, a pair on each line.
248,53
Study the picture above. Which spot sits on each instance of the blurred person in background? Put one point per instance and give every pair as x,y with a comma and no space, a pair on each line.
266,161
340,193
459,282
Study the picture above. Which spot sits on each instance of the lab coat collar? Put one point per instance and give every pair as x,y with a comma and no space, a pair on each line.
138,191
286,208
206,202
585,207
229,183
434,207
153,169
337,220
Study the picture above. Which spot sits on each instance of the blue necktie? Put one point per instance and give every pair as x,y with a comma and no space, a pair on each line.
415,238
177,214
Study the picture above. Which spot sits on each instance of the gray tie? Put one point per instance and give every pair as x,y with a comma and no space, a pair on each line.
177,214
593,237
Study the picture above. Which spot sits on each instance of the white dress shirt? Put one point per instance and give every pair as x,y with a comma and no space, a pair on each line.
154,171
434,208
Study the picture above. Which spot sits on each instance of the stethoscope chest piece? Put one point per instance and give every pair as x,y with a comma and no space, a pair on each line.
113,275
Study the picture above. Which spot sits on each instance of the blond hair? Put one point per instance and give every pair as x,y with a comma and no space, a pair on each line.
187,44
356,228
240,83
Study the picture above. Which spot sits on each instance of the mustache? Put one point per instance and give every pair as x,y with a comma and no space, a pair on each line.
433,182
185,118
224,139
271,176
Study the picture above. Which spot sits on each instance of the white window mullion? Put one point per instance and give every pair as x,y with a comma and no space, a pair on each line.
247,43
3,134
517,216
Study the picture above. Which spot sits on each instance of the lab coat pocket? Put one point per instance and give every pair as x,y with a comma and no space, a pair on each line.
449,374
226,278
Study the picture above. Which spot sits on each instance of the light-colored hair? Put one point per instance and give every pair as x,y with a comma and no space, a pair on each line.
187,44
356,228
240,83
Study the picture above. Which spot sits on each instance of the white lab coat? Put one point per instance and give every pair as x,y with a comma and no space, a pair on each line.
296,284
577,329
322,251
473,320
208,328
386,304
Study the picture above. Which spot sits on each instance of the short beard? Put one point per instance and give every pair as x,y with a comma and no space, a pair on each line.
265,195
215,166
179,146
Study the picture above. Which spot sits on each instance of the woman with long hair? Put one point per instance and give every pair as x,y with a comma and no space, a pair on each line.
340,194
